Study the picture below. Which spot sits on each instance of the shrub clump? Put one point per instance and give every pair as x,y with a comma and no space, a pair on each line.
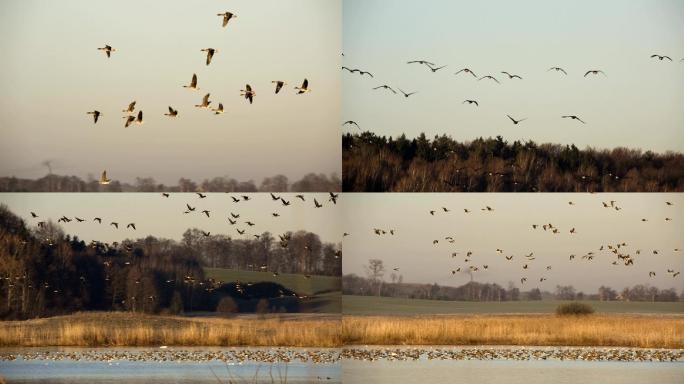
574,308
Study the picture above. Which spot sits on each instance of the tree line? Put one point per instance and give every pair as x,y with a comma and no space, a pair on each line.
44,271
374,284
55,183
384,164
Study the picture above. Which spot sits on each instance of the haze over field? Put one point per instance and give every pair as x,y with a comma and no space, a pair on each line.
637,104
52,74
508,227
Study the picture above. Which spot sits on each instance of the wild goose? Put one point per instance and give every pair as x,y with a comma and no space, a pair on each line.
226,17
210,53
351,122
279,85
595,72
573,117
515,122
130,108
248,93
219,110
406,95
385,86
466,70
108,50
557,69
510,76
660,57
193,83
304,88
471,102
96,115
205,102
489,77
172,112
103,178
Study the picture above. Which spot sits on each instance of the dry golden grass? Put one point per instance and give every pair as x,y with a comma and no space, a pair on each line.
593,330
127,329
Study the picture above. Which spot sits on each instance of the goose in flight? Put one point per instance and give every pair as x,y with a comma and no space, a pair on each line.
573,117
435,69
317,204
248,93
165,194
129,120
201,195
594,72
99,220
33,214
471,102
131,225
108,50
103,178
206,212
420,62
210,53
333,197
206,234
115,224
274,197
279,85
466,70
235,199
557,69
235,215
191,209
172,112
285,202
139,119
226,17
515,122
660,57
351,122
275,214
304,88
219,110
300,197
96,115
205,102
407,94
78,219
385,86
510,76
193,83
130,108
489,77
231,221
240,231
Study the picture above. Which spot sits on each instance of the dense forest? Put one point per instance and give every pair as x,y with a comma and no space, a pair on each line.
473,291
379,164
45,272
280,183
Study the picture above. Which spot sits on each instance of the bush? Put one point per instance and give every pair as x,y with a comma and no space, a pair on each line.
574,308
227,306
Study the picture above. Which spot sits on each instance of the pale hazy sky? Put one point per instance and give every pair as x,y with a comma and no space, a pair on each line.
163,217
638,104
509,227
52,74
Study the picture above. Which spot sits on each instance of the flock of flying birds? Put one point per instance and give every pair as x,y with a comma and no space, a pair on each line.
248,93
234,219
620,250
467,71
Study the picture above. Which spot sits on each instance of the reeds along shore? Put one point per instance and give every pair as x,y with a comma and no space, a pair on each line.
127,329
642,331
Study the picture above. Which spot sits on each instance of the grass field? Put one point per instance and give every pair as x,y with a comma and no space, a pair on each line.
661,331
297,283
130,329
370,305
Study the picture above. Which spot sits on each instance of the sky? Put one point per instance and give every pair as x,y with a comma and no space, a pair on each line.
52,74
509,228
636,105
158,216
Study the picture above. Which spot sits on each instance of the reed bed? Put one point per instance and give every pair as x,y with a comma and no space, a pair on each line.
539,330
126,329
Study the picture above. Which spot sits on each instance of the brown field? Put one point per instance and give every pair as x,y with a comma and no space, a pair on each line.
646,331
129,329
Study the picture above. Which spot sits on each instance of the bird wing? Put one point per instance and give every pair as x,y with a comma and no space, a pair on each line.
210,54
248,88
131,106
205,99
193,82
512,119
140,115
588,72
170,110
225,19
305,84
562,70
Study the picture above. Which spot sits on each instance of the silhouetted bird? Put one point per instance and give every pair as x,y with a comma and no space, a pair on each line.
210,53
226,17
193,83
108,50
96,115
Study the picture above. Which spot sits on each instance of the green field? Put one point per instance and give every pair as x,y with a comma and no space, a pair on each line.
297,283
368,305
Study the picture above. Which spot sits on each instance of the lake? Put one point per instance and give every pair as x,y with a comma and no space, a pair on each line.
510,365
172,365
